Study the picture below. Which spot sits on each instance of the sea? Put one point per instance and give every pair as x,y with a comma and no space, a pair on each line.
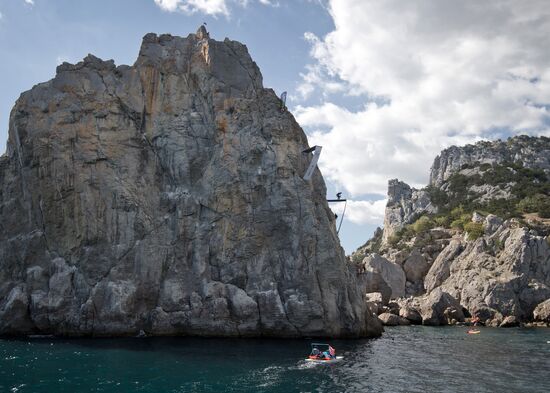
404,359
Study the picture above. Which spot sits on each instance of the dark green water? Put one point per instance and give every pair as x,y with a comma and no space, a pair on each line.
405,359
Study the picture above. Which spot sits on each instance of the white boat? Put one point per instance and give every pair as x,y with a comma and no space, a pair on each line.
336,359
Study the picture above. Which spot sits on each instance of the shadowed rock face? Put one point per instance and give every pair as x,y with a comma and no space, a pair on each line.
167,197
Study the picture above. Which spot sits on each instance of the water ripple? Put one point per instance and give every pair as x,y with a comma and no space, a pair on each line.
405,359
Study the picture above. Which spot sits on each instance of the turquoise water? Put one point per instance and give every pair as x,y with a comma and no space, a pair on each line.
405,359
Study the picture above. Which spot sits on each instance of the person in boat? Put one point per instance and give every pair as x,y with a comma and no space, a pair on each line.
320,354
330,353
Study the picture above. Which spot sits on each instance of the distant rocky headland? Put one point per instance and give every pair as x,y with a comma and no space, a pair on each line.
167,198
473,243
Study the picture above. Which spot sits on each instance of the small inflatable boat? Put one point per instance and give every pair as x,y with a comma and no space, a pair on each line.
473,331
323,353
336,359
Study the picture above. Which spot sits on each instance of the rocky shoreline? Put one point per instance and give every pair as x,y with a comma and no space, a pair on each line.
443,257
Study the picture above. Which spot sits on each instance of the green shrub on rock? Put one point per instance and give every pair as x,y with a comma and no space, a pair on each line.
457,212
503,207
485,167
423,224
443,221
462,221
458,186
544,212
538,203
474,230
437,196
530,204
457,224
394,239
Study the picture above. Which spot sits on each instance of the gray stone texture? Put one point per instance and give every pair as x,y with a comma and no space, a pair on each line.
542,311
386,272
503,277
167,197
531,152
404,204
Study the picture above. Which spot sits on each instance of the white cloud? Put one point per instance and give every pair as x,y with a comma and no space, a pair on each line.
209,7
168,5
316,75
362,212
270,2
31,2
443,72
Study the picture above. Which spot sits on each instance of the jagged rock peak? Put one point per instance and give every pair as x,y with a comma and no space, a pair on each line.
228,61
202,33
90,61
397,190
403,204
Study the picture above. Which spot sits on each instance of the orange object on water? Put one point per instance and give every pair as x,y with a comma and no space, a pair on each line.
318,358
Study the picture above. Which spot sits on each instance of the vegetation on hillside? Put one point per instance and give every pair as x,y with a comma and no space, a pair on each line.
528,190
507,190
458,219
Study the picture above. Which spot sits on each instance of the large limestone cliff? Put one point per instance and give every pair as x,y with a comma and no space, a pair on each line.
167,197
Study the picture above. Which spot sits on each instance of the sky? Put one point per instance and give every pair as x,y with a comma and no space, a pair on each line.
383,86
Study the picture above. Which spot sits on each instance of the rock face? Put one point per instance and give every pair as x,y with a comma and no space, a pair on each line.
509,321
411,314
531,152
440,308
404,203
389,272
441,268
167,197
489,281
504,274
415,267
456,258
542,312
389,319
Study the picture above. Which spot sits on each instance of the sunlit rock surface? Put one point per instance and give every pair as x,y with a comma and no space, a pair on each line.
167,197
